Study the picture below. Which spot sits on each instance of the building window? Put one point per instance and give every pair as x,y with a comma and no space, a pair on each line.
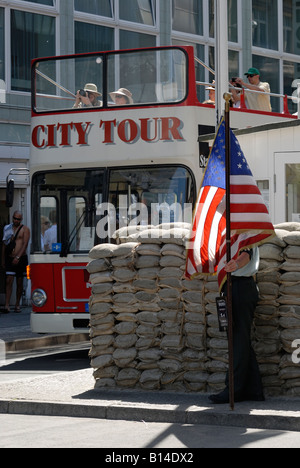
187,16
95,7
265,22
92,38
42,2
32,36
2,44
291,27
232,20
134,40
233,64
291,78
14,133
138,11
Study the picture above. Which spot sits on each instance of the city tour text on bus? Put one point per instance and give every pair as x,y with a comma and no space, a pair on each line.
128,131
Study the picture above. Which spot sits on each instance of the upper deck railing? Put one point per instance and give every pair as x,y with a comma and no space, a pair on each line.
284,98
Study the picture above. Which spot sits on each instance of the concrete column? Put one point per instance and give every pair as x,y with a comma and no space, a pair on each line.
66,27
221,55
247,28
165,26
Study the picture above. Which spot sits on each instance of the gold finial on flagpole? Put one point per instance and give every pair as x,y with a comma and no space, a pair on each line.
227,97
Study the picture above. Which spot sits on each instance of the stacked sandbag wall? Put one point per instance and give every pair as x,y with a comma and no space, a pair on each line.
153,329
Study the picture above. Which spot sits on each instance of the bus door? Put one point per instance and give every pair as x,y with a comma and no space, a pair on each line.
287,187
64,231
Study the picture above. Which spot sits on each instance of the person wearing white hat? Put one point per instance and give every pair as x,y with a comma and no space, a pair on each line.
122,97
87,97
212,94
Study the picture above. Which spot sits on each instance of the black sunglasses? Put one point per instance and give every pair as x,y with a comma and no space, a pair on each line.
17,219
251,76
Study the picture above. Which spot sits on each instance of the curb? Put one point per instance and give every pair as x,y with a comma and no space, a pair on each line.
204,416
45,342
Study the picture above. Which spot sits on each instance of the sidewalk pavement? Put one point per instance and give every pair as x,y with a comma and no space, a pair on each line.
15,331
72,394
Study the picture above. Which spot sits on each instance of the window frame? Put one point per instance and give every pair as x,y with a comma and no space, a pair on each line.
27,7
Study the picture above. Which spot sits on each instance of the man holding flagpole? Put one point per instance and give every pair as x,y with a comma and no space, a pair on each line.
247,380
250,226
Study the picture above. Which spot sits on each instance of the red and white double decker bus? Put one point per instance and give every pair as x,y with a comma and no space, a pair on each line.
84,158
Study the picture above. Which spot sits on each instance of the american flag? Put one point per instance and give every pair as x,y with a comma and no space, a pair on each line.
250,220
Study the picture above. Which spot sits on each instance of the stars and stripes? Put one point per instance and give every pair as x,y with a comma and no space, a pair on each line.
250,220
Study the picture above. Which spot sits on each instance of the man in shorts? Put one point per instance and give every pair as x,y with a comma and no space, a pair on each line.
15,260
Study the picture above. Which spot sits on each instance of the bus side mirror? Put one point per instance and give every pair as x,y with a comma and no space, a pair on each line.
10,185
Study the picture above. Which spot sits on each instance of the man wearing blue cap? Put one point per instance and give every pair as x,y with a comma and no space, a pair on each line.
254,100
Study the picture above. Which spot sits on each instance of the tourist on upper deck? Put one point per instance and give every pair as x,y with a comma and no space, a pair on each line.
212,94
87,97
258,101
122,97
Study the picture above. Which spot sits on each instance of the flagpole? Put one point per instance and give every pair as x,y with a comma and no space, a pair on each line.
227,97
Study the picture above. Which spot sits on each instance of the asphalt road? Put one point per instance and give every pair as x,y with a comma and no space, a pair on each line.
45,362
31,431
63,432
23,431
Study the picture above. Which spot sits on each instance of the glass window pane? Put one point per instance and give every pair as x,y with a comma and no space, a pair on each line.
32,36
265,22
14,133
269,72
66,201
211,63
151,195
211,6
150,77
92,38
42,2
292,192
291,27
291,78
187,16
76,214
49,221
95,7
138,11
134,40
233,64
2,45
57,82
232,20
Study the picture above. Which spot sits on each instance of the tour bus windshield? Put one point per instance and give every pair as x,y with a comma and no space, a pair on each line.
73,213
136,77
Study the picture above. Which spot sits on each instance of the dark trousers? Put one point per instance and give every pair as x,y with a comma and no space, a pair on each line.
247,379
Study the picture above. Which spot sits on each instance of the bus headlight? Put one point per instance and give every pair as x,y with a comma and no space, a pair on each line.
39,298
